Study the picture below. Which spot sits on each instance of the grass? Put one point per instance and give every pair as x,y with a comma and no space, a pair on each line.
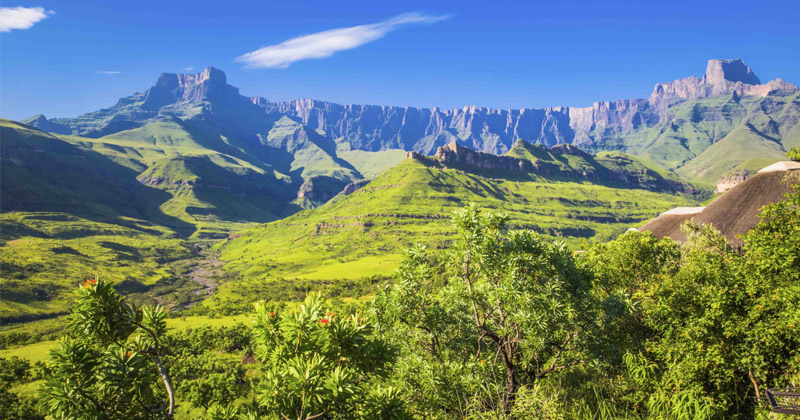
372,164
44,255
364,233
36,352
736,149
39,351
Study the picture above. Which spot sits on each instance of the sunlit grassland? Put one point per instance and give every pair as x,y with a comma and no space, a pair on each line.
364,233
44,255
372,164
38,351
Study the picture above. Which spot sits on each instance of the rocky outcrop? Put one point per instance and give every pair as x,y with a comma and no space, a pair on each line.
319,189
355,186
731,180
455,155
720,72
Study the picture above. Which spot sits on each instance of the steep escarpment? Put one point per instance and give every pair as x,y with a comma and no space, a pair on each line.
602,126
673,127
722,77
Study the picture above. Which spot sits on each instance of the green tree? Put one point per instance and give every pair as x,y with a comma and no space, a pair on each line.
703,328
771,347
208,378
109,364
12,407
794,154
317,364
14,369
500,311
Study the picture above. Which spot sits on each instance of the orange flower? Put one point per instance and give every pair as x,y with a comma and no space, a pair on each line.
128,354
324,321
331,314
87,284
272,314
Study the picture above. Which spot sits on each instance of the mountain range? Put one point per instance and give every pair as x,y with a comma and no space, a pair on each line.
676,126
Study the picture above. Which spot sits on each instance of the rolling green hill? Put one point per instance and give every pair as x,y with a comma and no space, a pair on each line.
363,234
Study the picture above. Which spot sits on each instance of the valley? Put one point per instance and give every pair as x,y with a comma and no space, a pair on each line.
320,192
203,201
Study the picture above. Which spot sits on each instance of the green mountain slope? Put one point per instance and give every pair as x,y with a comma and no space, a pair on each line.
203,115
569,162
372,164
158,172
363,234
690,139
736,148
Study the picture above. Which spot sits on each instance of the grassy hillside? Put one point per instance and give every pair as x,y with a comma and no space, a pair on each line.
159,172
372,164
614,168
735,149
46,254
364,233
704,138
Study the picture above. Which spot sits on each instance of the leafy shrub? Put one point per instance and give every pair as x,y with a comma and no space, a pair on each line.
109,364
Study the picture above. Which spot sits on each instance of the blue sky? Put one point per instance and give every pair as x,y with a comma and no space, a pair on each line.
415,53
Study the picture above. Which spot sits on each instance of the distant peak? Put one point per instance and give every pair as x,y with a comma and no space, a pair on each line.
211,73
719,71
38,118
210,84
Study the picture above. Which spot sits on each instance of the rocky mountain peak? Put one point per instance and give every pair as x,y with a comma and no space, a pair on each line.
719,71
209,85
722,77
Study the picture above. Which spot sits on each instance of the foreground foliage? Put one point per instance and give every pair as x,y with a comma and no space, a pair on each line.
503,324
109,365
498,313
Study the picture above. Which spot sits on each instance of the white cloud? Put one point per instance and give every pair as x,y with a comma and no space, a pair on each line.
189,68
21,17
110,72
325,44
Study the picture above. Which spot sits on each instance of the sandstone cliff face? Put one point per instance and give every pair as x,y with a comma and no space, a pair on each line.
609,125
453,154
424,130
209,85
722,77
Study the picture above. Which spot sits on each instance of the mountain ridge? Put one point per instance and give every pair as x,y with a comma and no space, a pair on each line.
675,124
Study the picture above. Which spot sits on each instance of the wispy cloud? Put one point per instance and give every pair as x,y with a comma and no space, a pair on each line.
21,17
188,68
110,72
326,43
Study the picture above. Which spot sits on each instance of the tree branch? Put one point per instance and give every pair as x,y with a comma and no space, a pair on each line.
161,371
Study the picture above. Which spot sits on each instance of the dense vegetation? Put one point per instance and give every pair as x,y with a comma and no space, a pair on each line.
503,323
